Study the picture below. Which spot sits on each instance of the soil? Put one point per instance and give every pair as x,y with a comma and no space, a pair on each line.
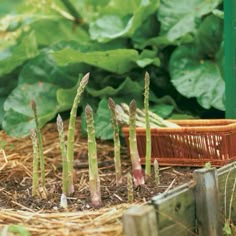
16,176
16,187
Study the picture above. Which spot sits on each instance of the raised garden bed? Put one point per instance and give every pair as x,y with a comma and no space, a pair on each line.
44,216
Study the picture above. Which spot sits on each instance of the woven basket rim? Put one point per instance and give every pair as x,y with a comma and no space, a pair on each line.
195,125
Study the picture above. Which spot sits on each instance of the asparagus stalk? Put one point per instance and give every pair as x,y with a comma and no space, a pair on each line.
135,159
155,120
65,161
148,129
40,144
156,172
123,117
35,181
94,181
116,139
71,132
130,189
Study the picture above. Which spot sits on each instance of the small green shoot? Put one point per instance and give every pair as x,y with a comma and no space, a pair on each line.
116,139
207,165
13,228
156,172
94,181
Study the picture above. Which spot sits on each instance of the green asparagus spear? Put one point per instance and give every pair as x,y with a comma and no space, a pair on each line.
156,172
148,129
116,140
135,159
94,181
35,180
130,189
40,144
65,161
71,131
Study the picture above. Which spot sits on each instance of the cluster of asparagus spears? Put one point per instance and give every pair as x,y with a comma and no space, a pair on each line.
156,121
120,114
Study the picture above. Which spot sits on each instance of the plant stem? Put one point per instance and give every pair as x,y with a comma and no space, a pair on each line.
130,189
135,159
40,144
72,10
116,140
71,131
156,172
147,124
94,181
35,180
65,162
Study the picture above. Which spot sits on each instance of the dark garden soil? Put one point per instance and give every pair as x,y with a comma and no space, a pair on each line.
16,175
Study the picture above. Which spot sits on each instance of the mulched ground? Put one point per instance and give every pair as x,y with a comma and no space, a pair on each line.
16,203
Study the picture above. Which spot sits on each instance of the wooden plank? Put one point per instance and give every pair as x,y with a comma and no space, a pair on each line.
176,211
140,221
207,202
226,178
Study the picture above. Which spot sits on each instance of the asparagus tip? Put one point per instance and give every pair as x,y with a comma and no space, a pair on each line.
147,78
132,106
85,79
88,109
33,105
111,104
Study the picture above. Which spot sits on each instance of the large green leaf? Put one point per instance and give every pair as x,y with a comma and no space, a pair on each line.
117,61
179,18
210,35
43,69
16,55
121,21
18,118
195,77
56,29
103,126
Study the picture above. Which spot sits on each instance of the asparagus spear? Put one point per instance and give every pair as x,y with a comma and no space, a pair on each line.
94,181
65,161
155,120
35,180
135,159
40,144
130,189
71,131
116,138
156,172
148,129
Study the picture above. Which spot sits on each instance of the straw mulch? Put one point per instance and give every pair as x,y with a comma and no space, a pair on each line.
16,166
105,221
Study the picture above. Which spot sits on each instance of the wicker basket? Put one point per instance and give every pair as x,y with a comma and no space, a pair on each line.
193,144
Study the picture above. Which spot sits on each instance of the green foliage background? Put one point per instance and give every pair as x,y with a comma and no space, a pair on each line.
44,53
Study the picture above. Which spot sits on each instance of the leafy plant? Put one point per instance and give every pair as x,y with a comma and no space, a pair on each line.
46,45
